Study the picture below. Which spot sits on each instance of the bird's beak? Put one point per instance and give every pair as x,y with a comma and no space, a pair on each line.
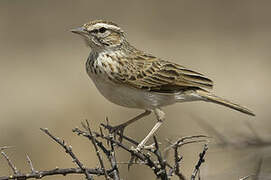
79,30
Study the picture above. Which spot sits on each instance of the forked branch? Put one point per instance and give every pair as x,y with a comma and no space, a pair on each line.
105,144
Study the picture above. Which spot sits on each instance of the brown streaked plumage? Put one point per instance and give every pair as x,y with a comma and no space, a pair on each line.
132,78
161,76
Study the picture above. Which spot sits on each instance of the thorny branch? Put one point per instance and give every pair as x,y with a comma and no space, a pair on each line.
106,144
11,165
201,160
91,137
30,164
68,150
53,172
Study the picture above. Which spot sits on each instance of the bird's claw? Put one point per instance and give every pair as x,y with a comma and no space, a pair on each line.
116,130
133,158
137,149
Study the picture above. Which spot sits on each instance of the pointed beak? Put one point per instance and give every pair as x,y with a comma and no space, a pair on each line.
79,30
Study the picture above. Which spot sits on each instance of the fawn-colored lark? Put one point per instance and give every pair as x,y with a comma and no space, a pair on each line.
132,78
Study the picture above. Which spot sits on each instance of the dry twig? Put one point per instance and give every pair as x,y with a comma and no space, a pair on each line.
200,161
151,157
30,164
68,150
11,165
92,138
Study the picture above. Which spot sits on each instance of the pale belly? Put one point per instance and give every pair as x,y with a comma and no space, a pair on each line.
134,98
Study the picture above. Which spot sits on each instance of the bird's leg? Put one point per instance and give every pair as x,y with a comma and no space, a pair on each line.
160,115
119,129
146,113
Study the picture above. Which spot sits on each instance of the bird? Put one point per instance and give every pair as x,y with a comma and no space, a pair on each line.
132,78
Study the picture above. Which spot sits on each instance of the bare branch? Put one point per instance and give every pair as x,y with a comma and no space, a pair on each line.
96,148
56,171
182,141
113,161
150,157
11,165
68,150
246,177
200,161
134,163
163,172
177,160
138,155
30,164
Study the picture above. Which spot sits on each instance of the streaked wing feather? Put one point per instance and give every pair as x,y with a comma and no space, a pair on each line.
153,74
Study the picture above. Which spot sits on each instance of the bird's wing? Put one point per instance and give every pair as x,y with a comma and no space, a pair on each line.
152,74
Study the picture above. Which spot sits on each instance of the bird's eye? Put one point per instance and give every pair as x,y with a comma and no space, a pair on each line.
95,31
102,29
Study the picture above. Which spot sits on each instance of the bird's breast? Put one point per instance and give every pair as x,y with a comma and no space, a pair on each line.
105,63
102,69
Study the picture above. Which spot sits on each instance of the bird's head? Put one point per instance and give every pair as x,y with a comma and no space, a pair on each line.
100,34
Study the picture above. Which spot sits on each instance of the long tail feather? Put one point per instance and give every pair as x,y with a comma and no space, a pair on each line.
215,99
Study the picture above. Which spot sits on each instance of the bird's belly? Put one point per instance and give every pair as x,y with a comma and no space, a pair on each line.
131,97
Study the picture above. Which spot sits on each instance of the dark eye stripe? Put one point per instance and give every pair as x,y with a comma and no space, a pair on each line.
101,30
94,31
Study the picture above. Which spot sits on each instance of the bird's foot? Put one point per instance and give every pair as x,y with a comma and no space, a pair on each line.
116,130
133,158
138,149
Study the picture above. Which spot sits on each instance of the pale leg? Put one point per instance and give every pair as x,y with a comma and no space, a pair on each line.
146,113
120,128
160,115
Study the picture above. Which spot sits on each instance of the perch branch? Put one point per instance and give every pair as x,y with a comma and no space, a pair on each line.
56,171
113,161
11,165
138,155
30,164
151,157
91,137
200,161
68,150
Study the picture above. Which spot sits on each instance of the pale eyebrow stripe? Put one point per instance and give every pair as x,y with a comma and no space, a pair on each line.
109,26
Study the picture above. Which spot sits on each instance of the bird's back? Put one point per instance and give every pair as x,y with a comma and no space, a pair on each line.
144,71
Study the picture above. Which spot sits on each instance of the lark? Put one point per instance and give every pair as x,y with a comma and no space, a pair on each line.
133,78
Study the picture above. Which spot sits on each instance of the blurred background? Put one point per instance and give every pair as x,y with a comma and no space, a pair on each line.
44,83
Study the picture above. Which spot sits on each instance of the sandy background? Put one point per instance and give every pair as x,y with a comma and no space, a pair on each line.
44,84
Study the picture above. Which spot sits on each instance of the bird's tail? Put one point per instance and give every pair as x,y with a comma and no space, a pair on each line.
215,99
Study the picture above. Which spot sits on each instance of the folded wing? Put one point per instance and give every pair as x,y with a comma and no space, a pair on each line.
152,74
